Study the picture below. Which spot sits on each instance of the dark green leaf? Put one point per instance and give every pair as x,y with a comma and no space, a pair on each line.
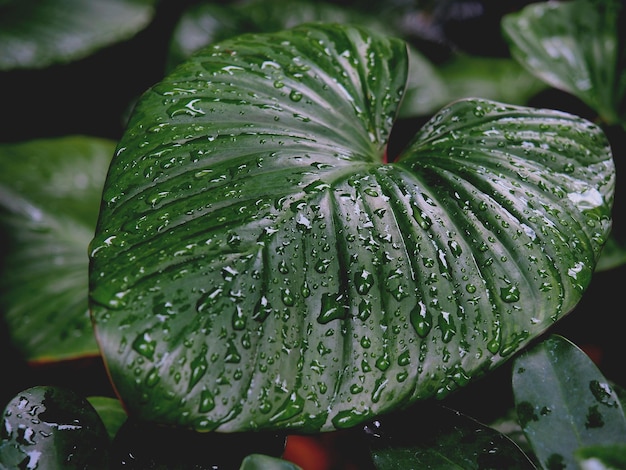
449,440
50,428
202,24
602,457
265,462
564,403
257,265
34,35
111,413
575,46
50,192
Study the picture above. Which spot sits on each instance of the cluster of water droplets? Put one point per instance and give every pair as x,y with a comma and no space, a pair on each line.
337,287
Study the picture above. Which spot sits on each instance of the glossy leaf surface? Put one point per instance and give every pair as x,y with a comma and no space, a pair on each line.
576,47
450,440
564,403
50,192
257,265
111,413
52,427
205,23
36,35
429,86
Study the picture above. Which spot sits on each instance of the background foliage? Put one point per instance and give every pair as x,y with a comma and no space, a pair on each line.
89,86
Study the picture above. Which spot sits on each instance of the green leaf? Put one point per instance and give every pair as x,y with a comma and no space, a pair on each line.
59,31
576,47
52,427
265,462
257,265
430,87
564,403
613,254
602,457
451,440
50,191
202,24
500,79
111,413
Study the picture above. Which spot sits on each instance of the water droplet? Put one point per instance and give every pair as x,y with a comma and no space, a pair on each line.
145,345
287,297
510,293
295,95
239,320
290,408
404,359
455,248
383,362
321,266
379,387
331,308
207,401
316,186
421,319
199,366
447,327
282,267
494,345
364,280
303,223
232,355
365,309
305,290
422,219
152,378
262,309
356,388
233,240
349,418
603,393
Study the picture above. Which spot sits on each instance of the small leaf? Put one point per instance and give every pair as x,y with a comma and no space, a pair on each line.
206,23
58,31
265,462
449,440
49,200
602,457
564,403
576,47
111,413
52,427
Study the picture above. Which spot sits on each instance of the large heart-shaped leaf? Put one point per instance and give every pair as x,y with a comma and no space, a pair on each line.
256,264
50,193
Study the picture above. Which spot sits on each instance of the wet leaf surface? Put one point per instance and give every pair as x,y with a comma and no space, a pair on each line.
49,200
257,265
52,427
60,31
564,403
